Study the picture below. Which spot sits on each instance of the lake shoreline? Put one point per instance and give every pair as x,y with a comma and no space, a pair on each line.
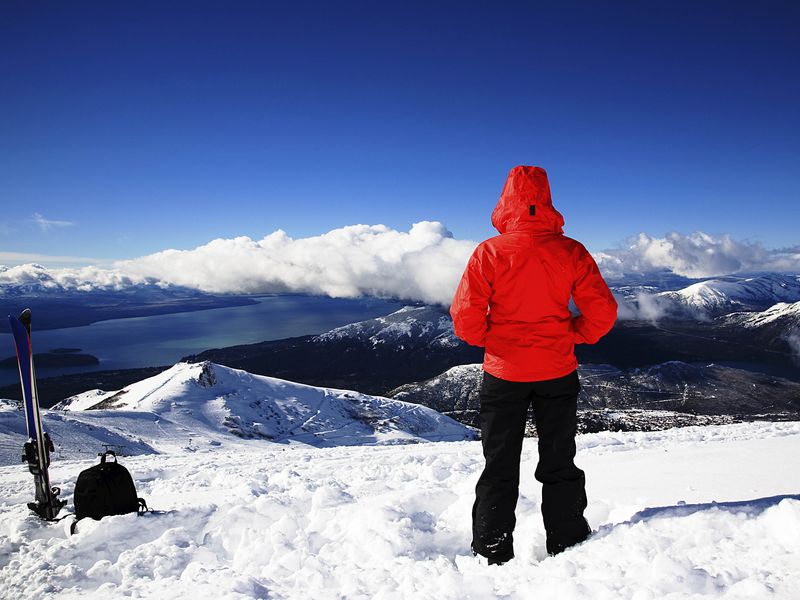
140,342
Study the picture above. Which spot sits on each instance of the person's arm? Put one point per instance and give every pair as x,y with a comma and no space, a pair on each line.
595,301
470,305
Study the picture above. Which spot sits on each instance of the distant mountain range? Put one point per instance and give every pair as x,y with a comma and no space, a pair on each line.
670,369
417,343
714,297
665,395
58,307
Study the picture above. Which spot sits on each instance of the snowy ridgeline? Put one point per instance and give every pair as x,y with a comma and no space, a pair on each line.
195,406
695,512
724,295
710,298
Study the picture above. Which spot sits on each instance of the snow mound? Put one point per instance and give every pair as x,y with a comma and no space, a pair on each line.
688,513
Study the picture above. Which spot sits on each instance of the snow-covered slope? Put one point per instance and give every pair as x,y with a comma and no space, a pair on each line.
688,513
454,392
76,435
202,404
779,323
788,315
729,294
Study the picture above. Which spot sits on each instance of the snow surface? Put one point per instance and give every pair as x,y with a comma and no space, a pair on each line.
699,512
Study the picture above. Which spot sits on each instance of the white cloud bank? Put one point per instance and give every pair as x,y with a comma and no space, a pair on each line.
424,263
696,255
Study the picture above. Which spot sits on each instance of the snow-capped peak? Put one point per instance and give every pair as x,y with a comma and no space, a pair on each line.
209,399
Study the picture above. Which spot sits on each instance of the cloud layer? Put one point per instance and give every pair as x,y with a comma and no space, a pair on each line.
421,264
424,264
696,255
47,224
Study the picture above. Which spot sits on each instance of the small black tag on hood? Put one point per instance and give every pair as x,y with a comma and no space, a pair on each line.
533,210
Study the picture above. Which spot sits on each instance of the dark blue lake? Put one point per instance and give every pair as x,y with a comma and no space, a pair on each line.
164,339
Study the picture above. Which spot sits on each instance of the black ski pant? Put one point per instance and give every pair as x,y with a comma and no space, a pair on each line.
504,410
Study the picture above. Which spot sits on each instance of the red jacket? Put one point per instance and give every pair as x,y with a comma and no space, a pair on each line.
513,298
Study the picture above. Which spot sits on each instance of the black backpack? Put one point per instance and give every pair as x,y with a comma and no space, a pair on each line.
106,489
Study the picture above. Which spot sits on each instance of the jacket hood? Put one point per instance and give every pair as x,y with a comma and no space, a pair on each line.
525,204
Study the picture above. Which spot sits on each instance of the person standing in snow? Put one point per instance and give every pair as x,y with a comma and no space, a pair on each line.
513,300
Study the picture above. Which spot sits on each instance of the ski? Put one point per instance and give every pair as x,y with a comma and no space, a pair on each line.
36,451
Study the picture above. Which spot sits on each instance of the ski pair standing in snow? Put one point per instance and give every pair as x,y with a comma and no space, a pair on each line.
513,300
36,451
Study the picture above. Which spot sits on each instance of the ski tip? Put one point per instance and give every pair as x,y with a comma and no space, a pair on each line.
25,318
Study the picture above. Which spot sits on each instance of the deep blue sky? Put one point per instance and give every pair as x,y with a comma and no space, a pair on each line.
150,125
